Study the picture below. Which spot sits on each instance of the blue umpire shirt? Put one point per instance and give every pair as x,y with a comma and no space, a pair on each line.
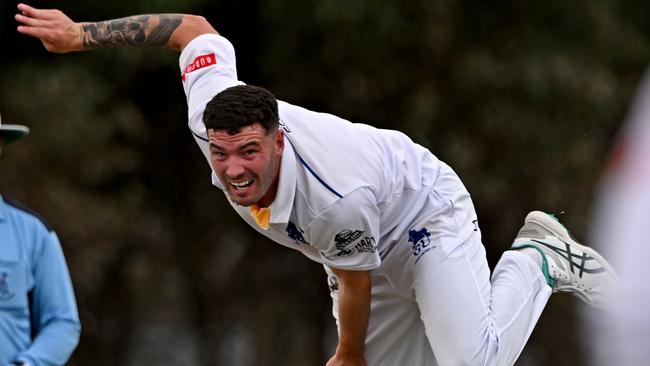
39,323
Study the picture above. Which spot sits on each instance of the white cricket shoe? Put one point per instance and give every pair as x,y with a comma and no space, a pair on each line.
567,265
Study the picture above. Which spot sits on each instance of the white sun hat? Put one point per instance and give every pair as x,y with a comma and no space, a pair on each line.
12,133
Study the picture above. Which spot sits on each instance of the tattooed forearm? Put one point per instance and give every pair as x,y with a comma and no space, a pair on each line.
135,31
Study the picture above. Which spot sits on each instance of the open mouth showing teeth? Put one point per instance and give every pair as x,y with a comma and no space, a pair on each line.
242,185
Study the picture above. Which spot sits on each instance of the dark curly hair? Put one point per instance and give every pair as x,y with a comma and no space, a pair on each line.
240,106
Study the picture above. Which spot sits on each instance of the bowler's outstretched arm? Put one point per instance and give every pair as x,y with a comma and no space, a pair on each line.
60,34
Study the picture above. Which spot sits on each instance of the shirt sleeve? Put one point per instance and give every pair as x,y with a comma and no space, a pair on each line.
207,66
55,320
346,233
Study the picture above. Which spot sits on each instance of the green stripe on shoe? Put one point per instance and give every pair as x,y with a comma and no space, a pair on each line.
550,280
553,216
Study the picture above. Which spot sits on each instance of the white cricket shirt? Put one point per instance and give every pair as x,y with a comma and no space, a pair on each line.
347,192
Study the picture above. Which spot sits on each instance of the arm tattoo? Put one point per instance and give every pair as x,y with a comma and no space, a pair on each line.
135,31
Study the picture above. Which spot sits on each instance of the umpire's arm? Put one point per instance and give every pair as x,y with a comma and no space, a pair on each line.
60,34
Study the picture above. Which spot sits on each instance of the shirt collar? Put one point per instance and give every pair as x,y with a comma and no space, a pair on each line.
283,203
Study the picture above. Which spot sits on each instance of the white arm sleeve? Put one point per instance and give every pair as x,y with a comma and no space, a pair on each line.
208,66
346,234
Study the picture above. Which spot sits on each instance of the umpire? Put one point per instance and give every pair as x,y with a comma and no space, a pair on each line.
39,323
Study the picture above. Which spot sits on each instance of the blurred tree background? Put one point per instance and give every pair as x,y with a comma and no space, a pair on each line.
522,98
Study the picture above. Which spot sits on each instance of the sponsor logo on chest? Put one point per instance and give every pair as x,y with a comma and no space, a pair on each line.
295,234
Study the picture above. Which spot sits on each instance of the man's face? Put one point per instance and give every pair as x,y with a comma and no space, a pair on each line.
247,163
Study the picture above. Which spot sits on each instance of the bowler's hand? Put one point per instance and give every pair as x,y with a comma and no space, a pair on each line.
55,30
346,361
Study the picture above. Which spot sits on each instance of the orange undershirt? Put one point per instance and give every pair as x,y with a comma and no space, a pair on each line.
262,216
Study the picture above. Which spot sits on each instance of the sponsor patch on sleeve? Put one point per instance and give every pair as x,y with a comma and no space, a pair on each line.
349,241
200,62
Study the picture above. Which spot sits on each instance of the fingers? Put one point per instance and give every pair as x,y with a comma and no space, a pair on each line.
57,32
31,12
33,27
32,22
40,33
52,41
33,17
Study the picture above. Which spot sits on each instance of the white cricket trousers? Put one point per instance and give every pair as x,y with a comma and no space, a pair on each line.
433,298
